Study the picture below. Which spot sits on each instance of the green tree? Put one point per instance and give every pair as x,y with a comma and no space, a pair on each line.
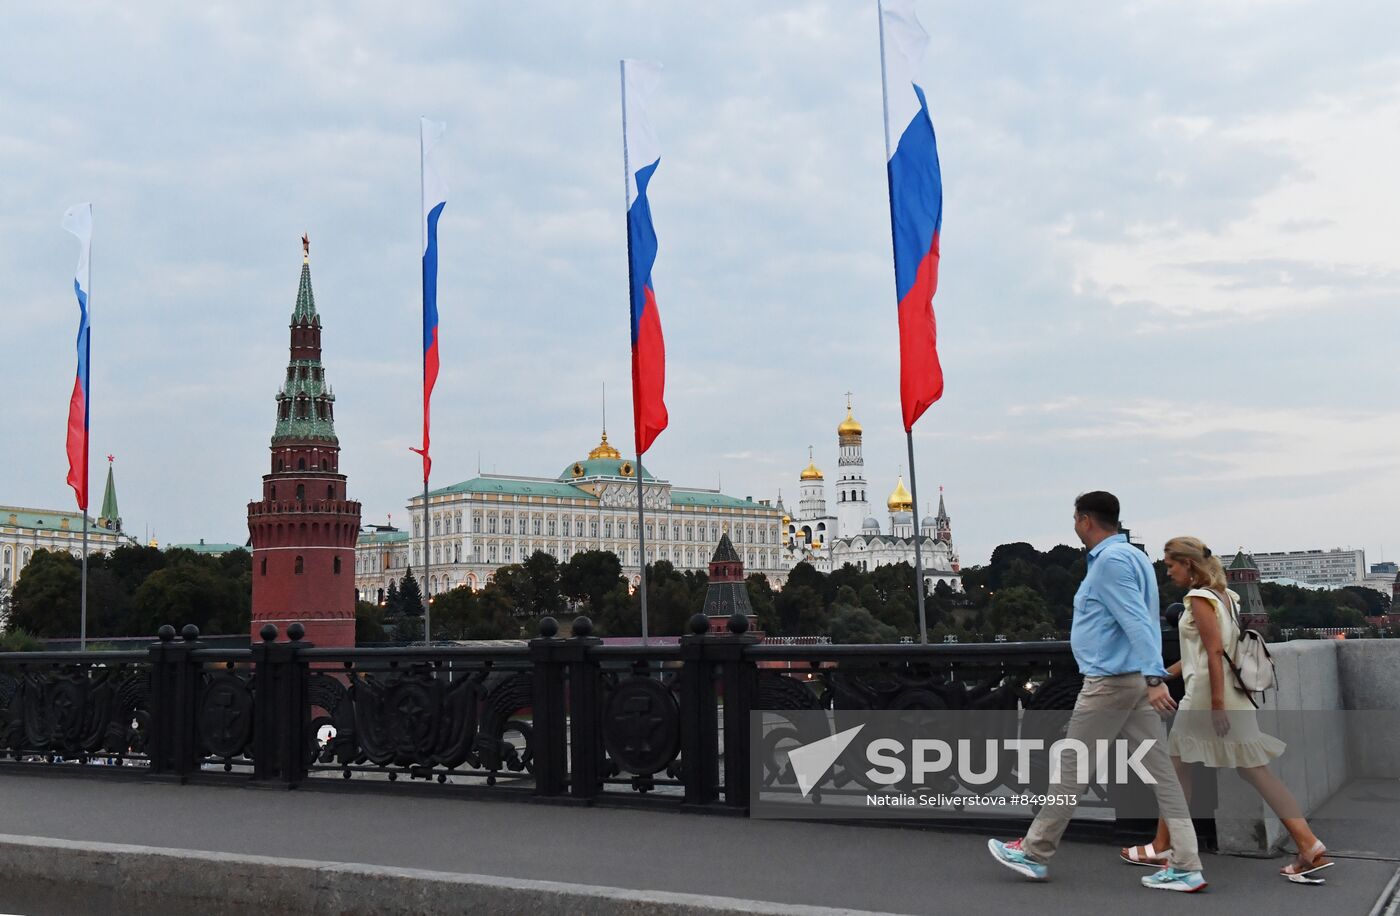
544,596
369,623
20,641
802,611
393,604
589,578
850,624
761,596
464,614
410,596
131,564
45,600
192,589
1019,612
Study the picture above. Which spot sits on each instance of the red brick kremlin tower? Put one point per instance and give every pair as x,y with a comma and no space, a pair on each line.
304,527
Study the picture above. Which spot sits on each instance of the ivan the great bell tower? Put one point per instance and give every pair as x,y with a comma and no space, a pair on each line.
304,527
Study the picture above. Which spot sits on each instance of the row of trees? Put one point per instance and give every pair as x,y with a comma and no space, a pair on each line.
1022,593
132,591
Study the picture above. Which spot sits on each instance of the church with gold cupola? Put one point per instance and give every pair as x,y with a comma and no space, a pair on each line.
852,533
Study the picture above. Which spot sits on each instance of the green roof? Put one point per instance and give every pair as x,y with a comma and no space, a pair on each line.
602,467
1242,561
14,516
109,498
511,486
711,499
310,393
306,301
207,548
382,537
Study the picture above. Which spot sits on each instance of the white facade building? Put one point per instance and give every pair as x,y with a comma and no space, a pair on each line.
853,535
494,520
24,532
1331,568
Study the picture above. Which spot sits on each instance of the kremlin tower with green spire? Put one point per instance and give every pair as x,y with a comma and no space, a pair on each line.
111,518
304,527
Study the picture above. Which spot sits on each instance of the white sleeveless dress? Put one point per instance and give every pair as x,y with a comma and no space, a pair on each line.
1193,736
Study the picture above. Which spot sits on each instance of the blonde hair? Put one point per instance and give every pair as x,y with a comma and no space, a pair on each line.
1206,569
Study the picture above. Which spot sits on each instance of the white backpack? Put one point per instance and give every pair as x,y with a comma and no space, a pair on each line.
1252,664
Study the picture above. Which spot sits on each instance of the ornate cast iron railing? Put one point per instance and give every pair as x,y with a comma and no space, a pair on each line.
559,716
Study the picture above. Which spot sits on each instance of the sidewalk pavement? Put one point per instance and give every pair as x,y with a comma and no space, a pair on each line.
888,869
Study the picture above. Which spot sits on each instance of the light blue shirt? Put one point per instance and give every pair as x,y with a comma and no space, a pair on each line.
1116,628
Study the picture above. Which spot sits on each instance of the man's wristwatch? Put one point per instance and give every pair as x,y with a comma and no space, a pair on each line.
1154,681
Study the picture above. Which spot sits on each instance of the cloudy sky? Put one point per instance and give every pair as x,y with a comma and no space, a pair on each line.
1170,262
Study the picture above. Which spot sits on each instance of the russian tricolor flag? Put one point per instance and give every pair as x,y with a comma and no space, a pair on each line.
434,200
640,155
916,206
78,220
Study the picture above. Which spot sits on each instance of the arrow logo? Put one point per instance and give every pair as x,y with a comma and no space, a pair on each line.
810,762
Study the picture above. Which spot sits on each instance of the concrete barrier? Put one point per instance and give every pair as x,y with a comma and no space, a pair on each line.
53,875
1337,707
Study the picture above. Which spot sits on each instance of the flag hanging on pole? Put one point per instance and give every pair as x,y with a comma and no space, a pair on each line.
916,206
434,200
640,156
78,221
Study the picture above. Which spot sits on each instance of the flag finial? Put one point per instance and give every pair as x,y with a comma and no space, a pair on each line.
305,248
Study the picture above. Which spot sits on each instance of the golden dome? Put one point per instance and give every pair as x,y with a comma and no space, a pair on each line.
810,472
849,426
604,450
900,500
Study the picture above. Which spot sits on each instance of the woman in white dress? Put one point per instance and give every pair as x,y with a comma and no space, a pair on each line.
1216,724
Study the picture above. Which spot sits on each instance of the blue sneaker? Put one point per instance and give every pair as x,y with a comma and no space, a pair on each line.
1013,857
1172,879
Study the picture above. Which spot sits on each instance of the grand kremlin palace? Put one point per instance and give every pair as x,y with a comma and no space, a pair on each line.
493,520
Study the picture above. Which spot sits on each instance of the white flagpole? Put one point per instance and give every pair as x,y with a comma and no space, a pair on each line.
627,203
909,433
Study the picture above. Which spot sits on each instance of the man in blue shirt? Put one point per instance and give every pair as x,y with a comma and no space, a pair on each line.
1117,641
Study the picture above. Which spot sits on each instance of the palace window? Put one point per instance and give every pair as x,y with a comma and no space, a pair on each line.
675,532
476,552
593,529
476,523
535,527
649,530
578,528
491,524
457,522
552,527
505,524
607,529
508,553
690,532
437,524
493,553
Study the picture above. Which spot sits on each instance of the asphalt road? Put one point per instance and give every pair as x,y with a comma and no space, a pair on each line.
869,868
